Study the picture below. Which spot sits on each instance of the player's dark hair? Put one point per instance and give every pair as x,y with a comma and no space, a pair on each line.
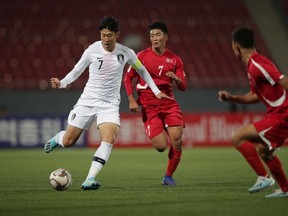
109,23
244,36
159,25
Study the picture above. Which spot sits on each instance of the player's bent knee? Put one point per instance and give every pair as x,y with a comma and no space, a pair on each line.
177,144
160,148
236,141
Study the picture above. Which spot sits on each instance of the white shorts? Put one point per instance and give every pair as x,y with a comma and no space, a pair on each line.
83,116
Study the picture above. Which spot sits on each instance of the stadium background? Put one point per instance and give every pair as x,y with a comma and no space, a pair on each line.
44,39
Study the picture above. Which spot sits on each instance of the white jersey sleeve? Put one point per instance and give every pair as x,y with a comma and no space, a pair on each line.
142,71
78,69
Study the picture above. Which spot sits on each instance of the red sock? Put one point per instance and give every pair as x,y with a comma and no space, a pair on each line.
174,159
277,171
250,153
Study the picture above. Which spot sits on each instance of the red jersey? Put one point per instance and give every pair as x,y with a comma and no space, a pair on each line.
264,76
157,66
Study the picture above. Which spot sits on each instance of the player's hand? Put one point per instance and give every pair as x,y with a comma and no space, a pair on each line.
224,96
162,95
55,83
172,76
133,106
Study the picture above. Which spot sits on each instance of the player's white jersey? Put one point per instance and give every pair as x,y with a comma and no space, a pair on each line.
105,73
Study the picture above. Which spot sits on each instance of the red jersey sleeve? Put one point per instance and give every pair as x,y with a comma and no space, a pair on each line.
179,72
128,80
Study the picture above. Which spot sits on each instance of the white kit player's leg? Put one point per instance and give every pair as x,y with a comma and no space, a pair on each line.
100,157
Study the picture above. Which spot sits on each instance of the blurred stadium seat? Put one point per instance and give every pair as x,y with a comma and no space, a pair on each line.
41,39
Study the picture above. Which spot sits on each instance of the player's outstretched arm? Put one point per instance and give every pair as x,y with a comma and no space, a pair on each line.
248,98
224,96
55,83
141,70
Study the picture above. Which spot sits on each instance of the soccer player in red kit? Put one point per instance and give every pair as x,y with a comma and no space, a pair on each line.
162,119
269,86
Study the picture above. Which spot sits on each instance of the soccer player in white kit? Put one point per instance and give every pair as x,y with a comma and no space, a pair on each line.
101,96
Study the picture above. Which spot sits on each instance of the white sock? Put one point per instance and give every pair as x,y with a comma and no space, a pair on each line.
59,138
101,156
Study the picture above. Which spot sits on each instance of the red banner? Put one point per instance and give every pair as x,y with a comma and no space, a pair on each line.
215,129
206,129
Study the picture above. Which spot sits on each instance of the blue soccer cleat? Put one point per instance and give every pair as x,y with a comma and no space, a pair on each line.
51,144
90,184
261,183
169,181
278,194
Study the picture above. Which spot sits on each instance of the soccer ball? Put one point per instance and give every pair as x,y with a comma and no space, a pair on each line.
60,179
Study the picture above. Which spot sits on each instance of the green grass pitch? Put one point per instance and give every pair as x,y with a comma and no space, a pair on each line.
211,181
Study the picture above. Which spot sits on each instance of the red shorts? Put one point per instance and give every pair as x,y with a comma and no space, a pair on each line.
272,130
158,118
